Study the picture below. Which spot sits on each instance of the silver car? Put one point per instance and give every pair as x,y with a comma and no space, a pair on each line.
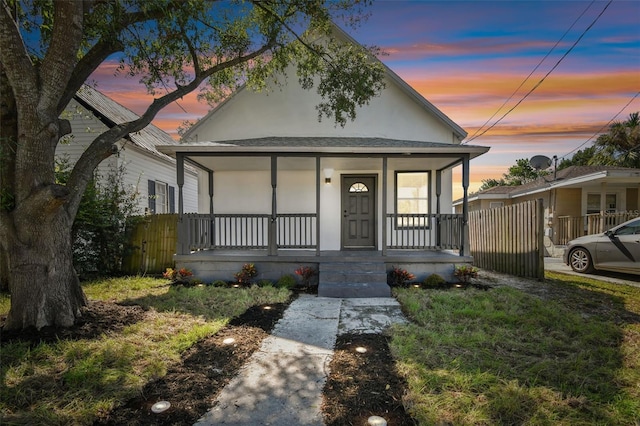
616,250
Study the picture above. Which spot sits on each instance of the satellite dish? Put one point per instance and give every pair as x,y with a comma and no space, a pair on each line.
540,162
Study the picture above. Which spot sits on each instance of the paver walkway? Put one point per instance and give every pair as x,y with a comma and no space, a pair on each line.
282,382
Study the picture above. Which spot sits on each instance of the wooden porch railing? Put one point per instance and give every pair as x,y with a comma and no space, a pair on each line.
424,231
569,227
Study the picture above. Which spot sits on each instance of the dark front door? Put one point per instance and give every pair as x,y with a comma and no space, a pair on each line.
359,212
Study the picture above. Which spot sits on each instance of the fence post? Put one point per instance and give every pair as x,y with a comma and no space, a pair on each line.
540,235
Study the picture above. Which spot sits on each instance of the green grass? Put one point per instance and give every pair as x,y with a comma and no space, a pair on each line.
73,382
503,357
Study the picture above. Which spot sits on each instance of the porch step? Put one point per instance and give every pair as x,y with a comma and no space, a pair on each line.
357,279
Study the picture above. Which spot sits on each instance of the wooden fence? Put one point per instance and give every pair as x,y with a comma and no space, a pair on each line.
153,241
509,239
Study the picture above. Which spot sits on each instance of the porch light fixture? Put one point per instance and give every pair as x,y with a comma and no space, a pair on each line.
328,172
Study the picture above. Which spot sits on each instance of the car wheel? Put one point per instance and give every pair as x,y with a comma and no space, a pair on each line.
580,260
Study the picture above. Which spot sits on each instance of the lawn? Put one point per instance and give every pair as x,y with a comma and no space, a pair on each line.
506,357
69,381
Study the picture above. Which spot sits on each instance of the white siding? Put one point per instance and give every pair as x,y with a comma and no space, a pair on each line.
140,165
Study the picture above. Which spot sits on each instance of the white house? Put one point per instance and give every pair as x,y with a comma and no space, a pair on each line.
286,190
147,172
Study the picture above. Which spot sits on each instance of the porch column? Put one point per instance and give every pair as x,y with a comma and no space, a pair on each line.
384,206
603,205
212,226
318,206
465,206
438,193
273,229
182,246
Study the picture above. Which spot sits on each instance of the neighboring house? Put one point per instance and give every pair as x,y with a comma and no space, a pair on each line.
286,190
147,172
578,200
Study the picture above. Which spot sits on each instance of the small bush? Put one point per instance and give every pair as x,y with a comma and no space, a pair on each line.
246,274
399,277
265,283
434,281
177,275
465,272
219,283
306,273
286,281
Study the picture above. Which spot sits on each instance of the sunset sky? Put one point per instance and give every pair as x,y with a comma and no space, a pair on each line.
469,57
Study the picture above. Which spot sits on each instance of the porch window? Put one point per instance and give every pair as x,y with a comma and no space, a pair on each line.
593,203
412,199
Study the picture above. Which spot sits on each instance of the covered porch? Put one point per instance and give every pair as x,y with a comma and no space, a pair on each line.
285,202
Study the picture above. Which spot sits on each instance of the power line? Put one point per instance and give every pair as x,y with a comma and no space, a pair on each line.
603,127
543,78
533,71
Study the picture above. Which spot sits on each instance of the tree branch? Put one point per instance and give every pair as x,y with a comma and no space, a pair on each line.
14,57
100,148
61,57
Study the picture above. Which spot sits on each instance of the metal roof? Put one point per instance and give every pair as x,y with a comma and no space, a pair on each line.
112,113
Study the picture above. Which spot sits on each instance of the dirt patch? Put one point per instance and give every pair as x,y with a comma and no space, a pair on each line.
363,383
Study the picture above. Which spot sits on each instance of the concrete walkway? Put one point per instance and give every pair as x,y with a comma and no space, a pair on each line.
282,382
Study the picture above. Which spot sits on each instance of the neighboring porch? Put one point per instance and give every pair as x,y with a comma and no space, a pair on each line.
571,227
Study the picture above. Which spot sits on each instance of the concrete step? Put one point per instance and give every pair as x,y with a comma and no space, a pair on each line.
358,279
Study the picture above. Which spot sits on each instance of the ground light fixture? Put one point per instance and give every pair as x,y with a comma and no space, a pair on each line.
376,421
228,340
160,406
361,349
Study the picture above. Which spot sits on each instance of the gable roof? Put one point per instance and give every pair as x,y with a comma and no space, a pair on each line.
112,113
570,176
459,132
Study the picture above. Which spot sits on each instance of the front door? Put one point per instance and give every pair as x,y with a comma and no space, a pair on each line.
359,212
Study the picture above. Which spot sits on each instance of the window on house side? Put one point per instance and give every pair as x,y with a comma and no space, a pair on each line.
412,198
496,204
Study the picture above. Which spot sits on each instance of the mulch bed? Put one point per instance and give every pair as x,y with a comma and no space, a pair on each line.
364,382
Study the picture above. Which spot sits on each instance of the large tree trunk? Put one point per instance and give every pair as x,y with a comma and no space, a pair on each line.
44,286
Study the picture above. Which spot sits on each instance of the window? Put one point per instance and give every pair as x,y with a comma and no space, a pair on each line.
358,187
593,203
496,204
161,197
412,198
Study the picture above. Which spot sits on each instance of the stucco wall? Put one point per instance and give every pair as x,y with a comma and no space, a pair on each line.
290,111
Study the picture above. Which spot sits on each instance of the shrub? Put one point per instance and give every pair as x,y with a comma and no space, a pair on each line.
306,273
399,277
246,274
434,280
465,272
177,275
286,281
265,283
219,283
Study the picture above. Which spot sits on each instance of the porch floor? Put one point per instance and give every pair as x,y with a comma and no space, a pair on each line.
327,256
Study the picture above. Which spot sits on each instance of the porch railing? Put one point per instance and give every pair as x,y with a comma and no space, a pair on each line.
571,227
298,231
248,231
424,231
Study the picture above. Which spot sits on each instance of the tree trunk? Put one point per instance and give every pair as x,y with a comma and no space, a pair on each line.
45,290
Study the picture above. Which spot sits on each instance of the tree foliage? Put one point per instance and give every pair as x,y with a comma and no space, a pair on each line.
518,174
48,49
620,147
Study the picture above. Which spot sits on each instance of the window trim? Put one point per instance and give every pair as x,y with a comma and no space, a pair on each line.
396,223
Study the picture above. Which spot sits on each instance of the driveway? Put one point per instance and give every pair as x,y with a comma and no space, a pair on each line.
555,264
